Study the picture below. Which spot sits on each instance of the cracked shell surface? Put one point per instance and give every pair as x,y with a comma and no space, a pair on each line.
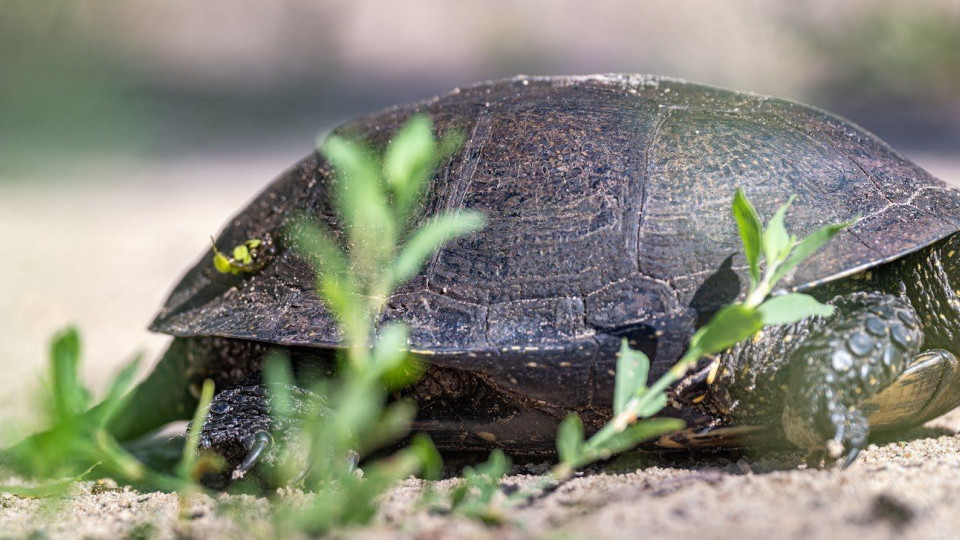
608,205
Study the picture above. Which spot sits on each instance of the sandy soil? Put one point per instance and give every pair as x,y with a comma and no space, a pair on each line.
105,255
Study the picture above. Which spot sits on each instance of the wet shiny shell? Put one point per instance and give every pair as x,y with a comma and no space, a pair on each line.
608,200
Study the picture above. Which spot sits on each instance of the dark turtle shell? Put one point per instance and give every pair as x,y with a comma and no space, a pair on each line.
608,200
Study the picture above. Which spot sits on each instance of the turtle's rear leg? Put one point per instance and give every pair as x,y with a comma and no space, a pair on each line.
817,375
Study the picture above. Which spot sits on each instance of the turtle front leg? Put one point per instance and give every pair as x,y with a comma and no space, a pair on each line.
242,431
814,377
850,358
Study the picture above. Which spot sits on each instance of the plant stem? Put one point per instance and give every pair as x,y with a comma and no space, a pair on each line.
630,414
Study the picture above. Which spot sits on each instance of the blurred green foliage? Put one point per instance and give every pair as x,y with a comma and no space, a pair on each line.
891,54
79,443
77,84
63,95
379,248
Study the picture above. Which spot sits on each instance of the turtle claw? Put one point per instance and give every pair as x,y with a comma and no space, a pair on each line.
849,439
851,457
260,443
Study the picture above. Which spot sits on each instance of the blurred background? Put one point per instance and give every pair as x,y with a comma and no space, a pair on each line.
130,131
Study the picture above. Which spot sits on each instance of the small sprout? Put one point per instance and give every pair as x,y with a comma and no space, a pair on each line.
247,258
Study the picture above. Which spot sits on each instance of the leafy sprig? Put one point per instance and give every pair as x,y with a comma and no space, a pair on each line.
377,248
771,253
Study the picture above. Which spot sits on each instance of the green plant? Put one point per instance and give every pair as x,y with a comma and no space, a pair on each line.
377,249
79,445
771,253
475,496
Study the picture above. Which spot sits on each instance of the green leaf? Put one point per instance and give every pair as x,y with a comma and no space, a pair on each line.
731,324
394,422
407,372
317,245
222,263
279,381
431,237
391,348
362,202
431,463
334,281
776,241
69,395
657,403
242,254
410,156
278,376
643,430
354,161
115,398
51,489
495,467
392,361
808,246
570,439
185,468
632,369
790,308
751,232
458,495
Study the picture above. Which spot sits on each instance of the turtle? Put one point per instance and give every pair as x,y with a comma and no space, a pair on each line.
607,204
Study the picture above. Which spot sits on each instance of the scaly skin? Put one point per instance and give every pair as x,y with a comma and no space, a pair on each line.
241,428
814,377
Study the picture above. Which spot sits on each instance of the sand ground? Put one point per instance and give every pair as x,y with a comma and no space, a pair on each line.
104,254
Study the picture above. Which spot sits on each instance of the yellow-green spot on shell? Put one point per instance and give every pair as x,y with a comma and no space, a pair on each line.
241,259
242,254
221,263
